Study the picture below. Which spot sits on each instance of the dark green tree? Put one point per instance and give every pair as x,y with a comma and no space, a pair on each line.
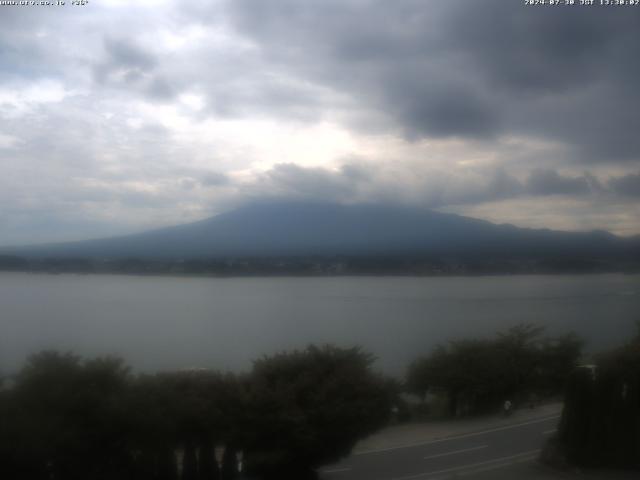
600,424
189,410
66,420
479,374
308,408
557,358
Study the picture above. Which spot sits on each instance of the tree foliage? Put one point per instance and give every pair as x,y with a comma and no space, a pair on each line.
479,374
64,418
310,407
600,424
67,418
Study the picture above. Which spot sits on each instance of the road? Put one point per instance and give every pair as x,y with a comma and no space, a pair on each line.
496,452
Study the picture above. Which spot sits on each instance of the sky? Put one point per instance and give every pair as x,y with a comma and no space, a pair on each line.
120,116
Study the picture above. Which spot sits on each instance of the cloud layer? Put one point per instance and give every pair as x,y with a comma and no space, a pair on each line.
117,118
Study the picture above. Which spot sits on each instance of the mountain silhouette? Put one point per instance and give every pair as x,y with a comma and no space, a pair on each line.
316,229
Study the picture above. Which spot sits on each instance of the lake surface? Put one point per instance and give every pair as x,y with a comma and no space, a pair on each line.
172,322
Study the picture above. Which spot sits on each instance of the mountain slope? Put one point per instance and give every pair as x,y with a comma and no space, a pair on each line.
296,229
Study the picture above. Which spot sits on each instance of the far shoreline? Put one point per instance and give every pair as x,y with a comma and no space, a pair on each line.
319,276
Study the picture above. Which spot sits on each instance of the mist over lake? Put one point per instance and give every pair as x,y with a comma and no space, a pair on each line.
224,323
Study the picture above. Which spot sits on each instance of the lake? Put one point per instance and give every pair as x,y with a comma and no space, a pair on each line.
224,323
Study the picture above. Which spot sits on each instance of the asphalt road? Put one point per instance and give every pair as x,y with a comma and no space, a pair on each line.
492,453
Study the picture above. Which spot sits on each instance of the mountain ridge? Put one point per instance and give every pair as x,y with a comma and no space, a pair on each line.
321,229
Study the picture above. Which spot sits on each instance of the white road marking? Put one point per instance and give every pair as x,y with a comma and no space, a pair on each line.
337,470
549,432
472,467
455,452
457,437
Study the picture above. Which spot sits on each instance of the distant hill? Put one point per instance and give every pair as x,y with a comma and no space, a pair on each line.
288,229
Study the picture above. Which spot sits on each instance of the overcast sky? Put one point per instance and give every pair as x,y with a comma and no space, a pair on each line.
119,116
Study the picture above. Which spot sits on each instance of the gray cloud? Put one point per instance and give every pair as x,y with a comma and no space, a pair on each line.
459,68
503,185
215,179
126,54
127,65
355,173
467,68
441,110
627,185
357,182
290,180
550,182
456,103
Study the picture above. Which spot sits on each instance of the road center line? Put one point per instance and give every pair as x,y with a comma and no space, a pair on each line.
457,437
497,463
454,452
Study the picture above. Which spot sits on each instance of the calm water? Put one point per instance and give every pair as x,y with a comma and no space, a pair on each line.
168,323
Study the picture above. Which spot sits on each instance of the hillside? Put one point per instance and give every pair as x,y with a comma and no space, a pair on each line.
311,229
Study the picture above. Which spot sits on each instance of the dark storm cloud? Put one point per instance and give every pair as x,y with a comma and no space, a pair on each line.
442,110
467,68
531,50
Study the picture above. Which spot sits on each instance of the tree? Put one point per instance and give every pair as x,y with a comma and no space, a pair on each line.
310,407
419,378
519,349
69,418
556,360
479,374
188,410
471,372
600,423
65,418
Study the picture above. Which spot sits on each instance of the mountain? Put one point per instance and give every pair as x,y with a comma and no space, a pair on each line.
314,229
